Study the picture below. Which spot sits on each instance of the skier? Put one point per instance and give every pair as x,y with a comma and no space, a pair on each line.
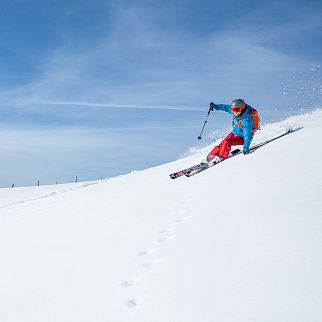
245,123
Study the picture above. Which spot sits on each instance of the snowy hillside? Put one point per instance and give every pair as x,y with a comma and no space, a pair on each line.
240,242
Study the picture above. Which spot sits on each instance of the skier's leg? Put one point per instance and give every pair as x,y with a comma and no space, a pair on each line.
236,140
227,143
219,149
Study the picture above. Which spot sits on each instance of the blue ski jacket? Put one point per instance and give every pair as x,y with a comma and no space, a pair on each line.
242,124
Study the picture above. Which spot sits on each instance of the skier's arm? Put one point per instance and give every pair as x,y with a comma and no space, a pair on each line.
247,128
221,107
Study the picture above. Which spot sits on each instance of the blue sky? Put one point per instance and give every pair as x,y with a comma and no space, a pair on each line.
100,88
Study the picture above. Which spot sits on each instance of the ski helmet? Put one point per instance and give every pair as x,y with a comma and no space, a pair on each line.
238,103
237,106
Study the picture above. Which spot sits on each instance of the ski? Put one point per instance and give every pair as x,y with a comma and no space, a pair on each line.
177,174
259,145
200,166
205,165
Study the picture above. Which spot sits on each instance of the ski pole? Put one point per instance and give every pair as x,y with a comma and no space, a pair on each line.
210,109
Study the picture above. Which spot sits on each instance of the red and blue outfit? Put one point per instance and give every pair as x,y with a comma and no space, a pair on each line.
242,133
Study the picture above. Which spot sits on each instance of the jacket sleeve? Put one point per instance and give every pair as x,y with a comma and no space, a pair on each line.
248,128
223,107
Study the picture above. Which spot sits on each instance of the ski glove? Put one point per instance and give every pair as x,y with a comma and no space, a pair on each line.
245,150
212,106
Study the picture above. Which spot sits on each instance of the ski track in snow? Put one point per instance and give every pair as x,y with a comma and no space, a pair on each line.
167,236
51,194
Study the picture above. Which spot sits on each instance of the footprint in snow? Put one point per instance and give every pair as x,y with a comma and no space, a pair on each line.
152,262
180,220
136,301
164,231
179,213
165,239
148,252
132,282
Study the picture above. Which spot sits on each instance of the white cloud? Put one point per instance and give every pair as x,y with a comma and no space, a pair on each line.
136,63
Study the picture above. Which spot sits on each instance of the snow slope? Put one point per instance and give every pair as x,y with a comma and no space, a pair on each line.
241,241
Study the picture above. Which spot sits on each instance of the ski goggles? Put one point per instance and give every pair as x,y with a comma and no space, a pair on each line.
237,109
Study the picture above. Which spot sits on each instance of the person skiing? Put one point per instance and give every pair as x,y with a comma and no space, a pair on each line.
245,123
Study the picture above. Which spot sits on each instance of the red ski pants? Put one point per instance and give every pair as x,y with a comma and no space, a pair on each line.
222,150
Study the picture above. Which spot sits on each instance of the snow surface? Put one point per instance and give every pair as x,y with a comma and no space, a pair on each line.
240,242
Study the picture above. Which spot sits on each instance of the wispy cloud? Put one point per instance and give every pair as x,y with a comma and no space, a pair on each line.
92,104
137,63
